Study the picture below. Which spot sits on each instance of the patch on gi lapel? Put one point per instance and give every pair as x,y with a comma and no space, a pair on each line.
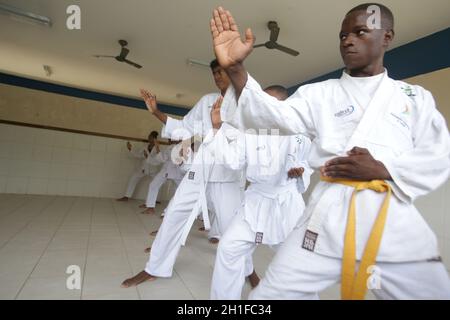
299,139
309,241
345,112
408,91
259,237
191,175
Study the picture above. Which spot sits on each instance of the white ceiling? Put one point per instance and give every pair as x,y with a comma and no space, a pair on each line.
163,34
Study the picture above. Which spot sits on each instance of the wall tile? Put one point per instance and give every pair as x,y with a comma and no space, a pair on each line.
42,153
63,163
17,185
97,158
4,166
3,181
39,169
5,149
57,187
58,171
63,139
44,137
21,151
61,155
115,146
80,157
37,186
81,142
98,144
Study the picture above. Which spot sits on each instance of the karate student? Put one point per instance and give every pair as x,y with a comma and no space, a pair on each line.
379,144
169,171
149,164
206,186
272,203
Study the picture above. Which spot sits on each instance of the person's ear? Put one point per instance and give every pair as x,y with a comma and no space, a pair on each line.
388,37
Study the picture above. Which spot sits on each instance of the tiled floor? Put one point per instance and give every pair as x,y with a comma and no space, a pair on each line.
41,236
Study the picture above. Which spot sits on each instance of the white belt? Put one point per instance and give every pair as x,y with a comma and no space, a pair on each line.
281,193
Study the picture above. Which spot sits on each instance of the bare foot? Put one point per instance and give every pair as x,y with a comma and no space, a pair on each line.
213,240
148,211
123,199
147,250
137,279
201,229
154,233
254,279
143,206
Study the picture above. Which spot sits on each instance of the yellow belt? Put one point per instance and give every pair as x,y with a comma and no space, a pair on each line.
354,286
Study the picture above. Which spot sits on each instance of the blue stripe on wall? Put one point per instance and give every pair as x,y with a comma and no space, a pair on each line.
425,55
85,94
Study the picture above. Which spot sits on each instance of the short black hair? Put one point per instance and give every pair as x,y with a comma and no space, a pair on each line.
153,134
282,91
386,14
214,64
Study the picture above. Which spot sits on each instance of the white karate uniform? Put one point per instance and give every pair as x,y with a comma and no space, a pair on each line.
169,171
272,203
207,185
402,128
149,166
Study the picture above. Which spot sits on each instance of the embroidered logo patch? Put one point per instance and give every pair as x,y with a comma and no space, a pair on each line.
299,139
408,91
309,241
191,175
259,237
346,112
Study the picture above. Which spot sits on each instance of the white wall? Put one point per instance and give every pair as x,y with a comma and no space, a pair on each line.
41,161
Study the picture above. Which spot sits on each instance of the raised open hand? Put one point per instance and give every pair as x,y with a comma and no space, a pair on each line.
230,50
150,100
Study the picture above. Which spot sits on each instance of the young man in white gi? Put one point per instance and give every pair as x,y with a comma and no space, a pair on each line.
207,185
272,203
379,144
169,171
149,164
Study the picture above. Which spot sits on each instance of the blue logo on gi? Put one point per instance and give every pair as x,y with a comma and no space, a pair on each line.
346,112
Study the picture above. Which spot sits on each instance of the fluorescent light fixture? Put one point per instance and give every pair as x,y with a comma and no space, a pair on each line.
24,15
192,62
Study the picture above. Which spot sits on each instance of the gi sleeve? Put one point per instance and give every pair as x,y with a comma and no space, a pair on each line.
228,147
185,128
302,161
427,166
258,110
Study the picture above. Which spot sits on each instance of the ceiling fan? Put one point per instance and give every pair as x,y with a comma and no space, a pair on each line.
122,56
272,43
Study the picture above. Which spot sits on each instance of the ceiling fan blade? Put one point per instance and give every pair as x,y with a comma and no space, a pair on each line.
133,63
102,56
259,45
123,53
287,50
274,32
